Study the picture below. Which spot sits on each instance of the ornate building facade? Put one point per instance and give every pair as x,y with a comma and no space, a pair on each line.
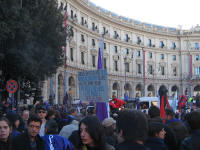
140,58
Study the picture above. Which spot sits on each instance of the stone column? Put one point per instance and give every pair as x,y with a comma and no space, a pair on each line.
56,91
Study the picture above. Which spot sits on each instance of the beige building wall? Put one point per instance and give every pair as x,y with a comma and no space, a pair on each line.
173,71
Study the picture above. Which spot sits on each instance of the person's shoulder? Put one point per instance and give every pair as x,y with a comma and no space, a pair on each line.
20,136
109,147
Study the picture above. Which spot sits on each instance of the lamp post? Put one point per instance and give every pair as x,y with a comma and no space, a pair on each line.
69,35
125,59
144,80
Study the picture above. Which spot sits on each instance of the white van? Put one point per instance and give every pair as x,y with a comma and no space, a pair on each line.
146,102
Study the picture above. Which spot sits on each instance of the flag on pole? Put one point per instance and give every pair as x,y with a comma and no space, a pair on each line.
101,107
164,103
65,54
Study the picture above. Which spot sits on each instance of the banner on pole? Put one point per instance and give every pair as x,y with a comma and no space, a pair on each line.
93,85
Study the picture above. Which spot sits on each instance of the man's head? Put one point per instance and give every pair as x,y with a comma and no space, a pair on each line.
51,127
25,115
41,111
132,125
34,124
169,114
154,111
194,120
73,111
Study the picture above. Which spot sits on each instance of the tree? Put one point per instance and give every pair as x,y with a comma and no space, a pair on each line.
31,37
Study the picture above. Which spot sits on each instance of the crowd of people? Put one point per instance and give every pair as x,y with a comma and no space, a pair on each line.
45,127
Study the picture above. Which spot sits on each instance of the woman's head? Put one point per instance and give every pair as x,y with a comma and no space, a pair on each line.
91,132
14,119
5,129
156,130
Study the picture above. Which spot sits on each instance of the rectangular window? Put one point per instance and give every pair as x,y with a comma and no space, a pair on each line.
162,56
82,20
132,55
138,40
93,26
127,51
82,38
104,63
104,45
174,57
138,53
127,38
174,71
173,45
162,44
139,68
93,42
104,30
149,42
197,57
116,35
116,65
150,55
150,69
196,45
82,58
71,54
115,48
127,67
163,70
72,14
197,70
93,61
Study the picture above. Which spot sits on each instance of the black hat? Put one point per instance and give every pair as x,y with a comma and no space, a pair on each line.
51,126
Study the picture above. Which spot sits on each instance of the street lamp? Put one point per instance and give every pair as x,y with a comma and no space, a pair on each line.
125,63
144,78
69,35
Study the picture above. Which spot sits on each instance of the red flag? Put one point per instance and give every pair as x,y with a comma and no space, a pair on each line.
167,102
162,108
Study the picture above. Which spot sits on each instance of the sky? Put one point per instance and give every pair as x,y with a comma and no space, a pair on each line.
182,14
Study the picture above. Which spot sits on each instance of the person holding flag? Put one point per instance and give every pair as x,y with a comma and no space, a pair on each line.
163,102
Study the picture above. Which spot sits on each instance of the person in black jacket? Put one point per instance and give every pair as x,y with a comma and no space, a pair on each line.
132,130
192,142
156,137
30,140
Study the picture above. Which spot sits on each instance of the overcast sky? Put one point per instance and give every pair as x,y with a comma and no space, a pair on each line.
169,13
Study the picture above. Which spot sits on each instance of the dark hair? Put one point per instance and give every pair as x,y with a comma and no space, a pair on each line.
95,130
154,111
134,125
12,117
72,110
109,131
40,107
50,113
51,127
6,120
155,128
169,111
194,120
34,118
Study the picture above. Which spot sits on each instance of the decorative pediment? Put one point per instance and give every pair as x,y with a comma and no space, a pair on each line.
116,57
72,44
150,62
105,54
94,52
83,48
128,60
139,60
174,65
162,63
